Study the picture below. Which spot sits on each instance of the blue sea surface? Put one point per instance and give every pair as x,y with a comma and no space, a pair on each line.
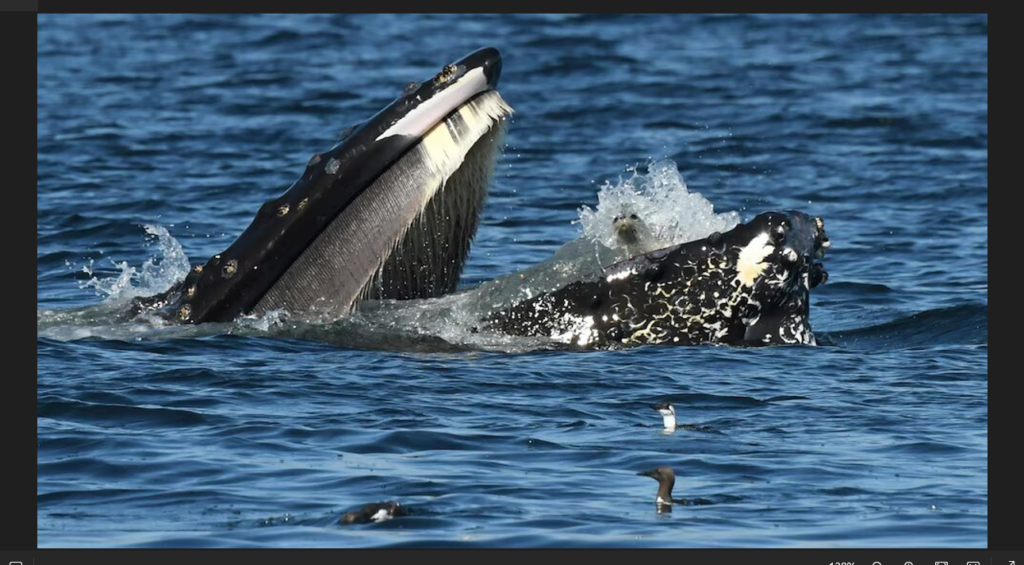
261,434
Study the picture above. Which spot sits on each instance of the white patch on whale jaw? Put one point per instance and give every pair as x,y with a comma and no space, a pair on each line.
751,264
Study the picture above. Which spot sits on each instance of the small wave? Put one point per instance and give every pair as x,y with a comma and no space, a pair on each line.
922,448
716,401
857,288
411,441
117,414
965,324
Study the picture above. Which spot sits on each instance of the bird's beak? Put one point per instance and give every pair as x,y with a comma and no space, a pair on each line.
649,473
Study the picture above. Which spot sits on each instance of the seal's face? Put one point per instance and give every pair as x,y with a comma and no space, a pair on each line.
627,228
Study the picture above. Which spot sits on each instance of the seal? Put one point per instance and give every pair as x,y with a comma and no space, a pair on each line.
632,233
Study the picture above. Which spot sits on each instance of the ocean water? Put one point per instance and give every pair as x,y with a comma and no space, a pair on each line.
159,137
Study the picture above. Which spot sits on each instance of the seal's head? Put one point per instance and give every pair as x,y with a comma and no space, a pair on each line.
627,228
633,234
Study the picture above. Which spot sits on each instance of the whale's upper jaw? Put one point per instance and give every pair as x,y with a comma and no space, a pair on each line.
235,281
422,107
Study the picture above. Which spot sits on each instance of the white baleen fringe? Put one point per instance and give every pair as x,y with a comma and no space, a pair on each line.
445,149
424,174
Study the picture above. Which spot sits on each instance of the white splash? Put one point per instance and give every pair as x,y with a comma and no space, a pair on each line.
623,274
578,328
660,197
155,275
277,318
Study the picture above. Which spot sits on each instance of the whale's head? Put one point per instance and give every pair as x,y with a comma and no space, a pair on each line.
388,212
777,263
747,286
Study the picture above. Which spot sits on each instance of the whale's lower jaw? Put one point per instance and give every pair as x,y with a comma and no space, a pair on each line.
748,286
409,233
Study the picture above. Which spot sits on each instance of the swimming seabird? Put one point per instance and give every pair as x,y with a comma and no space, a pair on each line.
668,413
666,478
374,512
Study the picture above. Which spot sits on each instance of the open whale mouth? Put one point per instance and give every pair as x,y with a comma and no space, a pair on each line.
388,212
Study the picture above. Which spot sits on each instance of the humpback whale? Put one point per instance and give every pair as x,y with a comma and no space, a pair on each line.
388,212
747,286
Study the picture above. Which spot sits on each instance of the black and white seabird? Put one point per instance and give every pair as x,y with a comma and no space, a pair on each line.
374,512
668,413
666,478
